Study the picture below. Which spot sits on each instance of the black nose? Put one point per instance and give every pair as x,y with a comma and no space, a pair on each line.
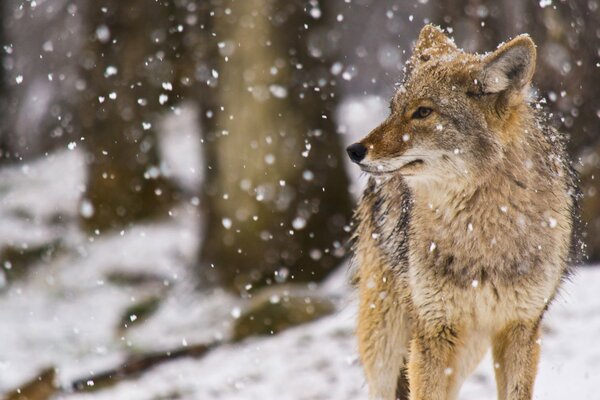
356,152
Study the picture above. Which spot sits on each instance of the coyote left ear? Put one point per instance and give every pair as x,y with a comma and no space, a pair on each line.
511,66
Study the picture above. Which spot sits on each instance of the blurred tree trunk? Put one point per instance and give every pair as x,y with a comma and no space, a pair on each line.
128,70
40,53
276,196
4,145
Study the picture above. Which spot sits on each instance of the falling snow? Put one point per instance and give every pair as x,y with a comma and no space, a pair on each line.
88,86
227,223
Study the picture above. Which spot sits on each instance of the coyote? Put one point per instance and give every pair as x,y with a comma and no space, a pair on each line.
465,230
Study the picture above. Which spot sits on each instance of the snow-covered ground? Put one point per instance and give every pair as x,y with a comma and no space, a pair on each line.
319,360
69,310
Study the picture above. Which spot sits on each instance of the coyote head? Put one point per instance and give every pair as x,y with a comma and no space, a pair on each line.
454,113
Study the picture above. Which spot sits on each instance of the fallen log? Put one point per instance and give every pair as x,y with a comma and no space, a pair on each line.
271,311
136,365
42,387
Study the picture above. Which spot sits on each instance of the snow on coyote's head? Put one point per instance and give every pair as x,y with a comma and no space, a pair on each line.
454,113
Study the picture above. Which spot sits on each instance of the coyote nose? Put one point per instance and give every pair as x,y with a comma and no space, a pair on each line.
356,152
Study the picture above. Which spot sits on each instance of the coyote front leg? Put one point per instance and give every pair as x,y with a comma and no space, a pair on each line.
516,355
383,339
433,364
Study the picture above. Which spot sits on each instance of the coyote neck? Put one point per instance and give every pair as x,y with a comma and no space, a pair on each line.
498,225
485,193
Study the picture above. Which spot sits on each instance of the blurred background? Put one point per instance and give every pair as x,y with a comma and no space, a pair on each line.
175,199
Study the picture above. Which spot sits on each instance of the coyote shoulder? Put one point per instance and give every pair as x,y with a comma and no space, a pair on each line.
465,230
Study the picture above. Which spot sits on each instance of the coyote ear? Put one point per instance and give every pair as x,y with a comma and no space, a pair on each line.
511,66
432,42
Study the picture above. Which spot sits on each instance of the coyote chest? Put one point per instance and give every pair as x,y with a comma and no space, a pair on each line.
484,257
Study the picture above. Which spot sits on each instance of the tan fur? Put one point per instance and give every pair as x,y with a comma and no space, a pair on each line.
464,232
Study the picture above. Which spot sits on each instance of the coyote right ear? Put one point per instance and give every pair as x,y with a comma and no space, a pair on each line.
510,67
432,42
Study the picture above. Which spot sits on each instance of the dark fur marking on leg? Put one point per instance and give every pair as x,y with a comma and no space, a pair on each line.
402,389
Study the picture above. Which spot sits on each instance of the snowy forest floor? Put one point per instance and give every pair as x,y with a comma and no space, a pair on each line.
70,312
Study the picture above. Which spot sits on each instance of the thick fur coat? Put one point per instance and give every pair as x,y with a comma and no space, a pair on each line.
465,230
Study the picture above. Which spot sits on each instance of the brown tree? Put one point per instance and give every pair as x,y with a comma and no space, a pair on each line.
129,74
5,150
276,204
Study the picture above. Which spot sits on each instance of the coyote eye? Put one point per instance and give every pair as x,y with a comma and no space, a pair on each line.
422,112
